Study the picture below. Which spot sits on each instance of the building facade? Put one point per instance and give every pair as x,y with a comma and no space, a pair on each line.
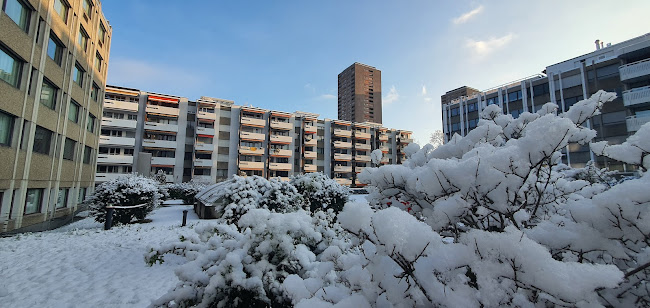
211,139
623,68
359,94
53,60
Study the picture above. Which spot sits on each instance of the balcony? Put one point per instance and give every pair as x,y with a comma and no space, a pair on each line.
310,168
166,144
359,169
311,154
206,115
252,136
118,141
344,182
361,146
384,149
205,131
203,162
311,142
281,153
360,135
105,177
118,105
161,127
114,159
342,133
362,157
342,144
163,161
169,178
281,125
251,150
344,157
205,147
168,111
119,123
383,138
203,179
634,70
280,166
385,160
281,139
251,165
282,178
634,123
636,96
405,140
253,122
344,169
310,129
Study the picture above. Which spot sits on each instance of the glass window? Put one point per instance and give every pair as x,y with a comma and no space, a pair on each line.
94,93
19,12
42,139
33,200
6,128
68,149
90,125
78,74
48,94
73,112
82,39
61,7
98,62
10,68
101,33
88,153
82,194
55,49
88,9
62,199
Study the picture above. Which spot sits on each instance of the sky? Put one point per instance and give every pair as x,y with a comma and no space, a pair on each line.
286,55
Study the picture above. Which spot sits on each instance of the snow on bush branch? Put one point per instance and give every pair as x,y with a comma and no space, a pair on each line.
126,190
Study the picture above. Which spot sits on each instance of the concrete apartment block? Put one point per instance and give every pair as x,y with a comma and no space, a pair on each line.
359,94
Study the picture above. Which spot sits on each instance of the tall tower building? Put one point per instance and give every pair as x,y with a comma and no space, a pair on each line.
360,94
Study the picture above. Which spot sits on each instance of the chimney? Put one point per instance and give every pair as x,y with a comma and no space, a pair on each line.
597,44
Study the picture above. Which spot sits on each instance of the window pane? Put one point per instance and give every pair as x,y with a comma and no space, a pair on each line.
68,149
9,68
48,95
83,38
62,199
87,8
94,94
42,139
54,49
102,33
33,201
73,112
77,75
19,13
62,9
6,125
82,194
90,125
87,155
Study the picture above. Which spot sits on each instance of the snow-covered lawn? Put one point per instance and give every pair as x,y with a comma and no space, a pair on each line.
81,265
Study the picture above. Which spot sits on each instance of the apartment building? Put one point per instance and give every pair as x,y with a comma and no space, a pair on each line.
359,94
623,68
53,60
211,139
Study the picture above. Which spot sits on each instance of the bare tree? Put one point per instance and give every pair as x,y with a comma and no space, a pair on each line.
437,138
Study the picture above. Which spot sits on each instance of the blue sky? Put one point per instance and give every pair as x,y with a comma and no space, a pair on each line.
286,55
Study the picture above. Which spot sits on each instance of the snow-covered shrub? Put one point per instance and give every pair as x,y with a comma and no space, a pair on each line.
320,192
245,265
184,191
126,191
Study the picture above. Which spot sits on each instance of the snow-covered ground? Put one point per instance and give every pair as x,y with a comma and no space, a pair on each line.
81,265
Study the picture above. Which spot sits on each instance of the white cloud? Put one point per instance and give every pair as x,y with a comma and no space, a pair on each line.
482,48
467,16
327,96
391,97
424,90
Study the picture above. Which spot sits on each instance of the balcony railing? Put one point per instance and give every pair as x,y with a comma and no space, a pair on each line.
281,125
342,133
345,182
636,96
383,137
253,122
405,140
634,70
359,135
154,109
359,169
119,123
121,141
114,159
310,168
119,105
280,166
203,179
150,143
281,139
362,146
206,115
251,165
310,154
251,150
344,169
281,153
634,123
310,129
205,131
161,127
344,157
105,177
311,142
362,157
166,161
252,136
198,162
342,144
205,147
384,149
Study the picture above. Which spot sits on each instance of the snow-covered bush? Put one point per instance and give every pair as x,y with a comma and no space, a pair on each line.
320,192
184,191
126,191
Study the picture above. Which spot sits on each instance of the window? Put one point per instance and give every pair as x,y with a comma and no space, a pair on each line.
88,9
128,152
90,125
19,12
33,200
68,149
101,33
48,94
94,93
61,7
82,194
10,68
78,74
73,111
88,154
98,62
55,49
62,199
42,139
82,39
6,128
